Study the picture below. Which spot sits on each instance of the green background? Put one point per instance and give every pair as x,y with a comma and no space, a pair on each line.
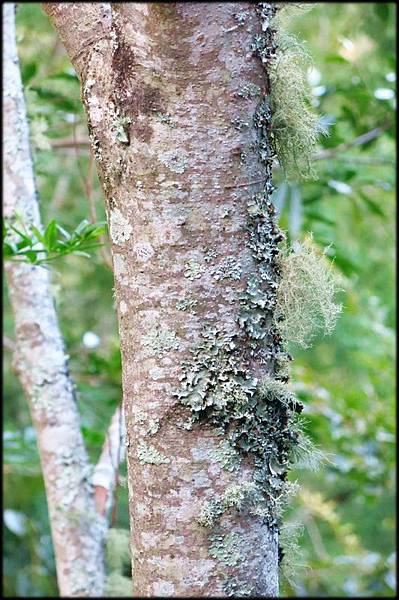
345,380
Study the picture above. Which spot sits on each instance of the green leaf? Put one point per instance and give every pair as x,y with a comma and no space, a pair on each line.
50,235
81,227
371,204
40,237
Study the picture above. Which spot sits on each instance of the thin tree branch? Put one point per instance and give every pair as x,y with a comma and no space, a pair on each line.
68,143
358,141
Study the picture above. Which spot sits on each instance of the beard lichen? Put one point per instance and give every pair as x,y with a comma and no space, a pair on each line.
117,559
305,296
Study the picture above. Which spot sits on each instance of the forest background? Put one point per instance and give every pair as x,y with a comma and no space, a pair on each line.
346,380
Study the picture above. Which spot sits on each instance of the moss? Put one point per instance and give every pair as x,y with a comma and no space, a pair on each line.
305,296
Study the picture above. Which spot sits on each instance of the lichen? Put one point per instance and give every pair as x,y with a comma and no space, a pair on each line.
117,549
193,270
150,455
290,555
294,125
228,458
186,304
175,160
258,417
118,586
248,90
121,129
305,296
228,268
160,340
229,549
120,228
152,424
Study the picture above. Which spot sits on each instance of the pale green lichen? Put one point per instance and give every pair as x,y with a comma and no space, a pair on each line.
152,425
211,511
120,228
228,458
160,340
117,549
305,296
175,160
237,496
228,549
118,586
193,270
228,268
295,124
248,90
121,129
292,556
186,304
150,455
165,118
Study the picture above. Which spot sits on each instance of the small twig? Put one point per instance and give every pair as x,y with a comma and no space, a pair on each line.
358,141
68,143
315,536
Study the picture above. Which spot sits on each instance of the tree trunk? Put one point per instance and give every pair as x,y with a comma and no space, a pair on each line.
171,93
42,364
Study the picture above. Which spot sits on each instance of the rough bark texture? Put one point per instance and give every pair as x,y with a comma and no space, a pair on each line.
42,365
170,92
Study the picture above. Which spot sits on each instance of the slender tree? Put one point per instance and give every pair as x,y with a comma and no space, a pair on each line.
41,364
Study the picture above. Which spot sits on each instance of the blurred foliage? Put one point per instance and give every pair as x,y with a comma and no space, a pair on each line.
37,247
346,380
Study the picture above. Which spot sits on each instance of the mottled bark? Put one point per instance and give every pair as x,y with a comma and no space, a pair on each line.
170,92
41,362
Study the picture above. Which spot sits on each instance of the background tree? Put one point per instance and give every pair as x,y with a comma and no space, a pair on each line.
358,481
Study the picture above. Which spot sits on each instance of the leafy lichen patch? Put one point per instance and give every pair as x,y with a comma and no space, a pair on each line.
193,270
120,228
175,160
160,340
150,455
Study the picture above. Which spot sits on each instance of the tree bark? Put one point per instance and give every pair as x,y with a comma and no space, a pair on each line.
42,364
170,92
